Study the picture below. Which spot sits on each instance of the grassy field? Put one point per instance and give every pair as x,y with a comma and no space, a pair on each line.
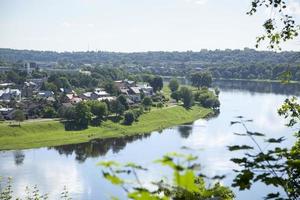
52,133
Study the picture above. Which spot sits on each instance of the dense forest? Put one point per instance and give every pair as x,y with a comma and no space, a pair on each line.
228,64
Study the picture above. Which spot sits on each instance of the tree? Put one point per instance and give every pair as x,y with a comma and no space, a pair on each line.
201,79
147,103
68,113
274,33
117,107
19,116
187,97
123,100
176,95
111,88
98,108
157,83
173,85
129,118
49,112
83,114
1,117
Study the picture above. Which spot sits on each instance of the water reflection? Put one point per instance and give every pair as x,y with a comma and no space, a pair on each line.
185,130
19,157
98,147
76,165
260,87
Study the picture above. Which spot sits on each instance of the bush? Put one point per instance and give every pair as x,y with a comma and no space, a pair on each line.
207,99
160,105
49,112
129,118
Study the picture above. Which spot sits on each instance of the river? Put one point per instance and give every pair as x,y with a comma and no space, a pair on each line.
75,166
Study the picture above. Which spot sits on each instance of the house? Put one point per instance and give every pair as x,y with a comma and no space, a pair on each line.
7,113
45,94
134,94
100,92
123,84
95,95
107,98
146,89
67,91
75,100
29,88
10,94
89,96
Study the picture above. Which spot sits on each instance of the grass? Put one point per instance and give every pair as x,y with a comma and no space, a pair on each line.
52,133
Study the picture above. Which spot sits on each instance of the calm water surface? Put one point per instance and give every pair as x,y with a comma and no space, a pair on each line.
75,166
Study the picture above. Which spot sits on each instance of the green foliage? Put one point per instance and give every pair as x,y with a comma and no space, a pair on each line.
82,114
19,116
147,103
201,79
49,112
176,95
276,31
98,108
186,183
187,97
123,100
111,88
173,85
129,118
117,107
157,83
160,105
207,98
275,166
6,193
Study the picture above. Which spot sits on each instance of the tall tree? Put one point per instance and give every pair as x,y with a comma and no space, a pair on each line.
187,97
201,79
157,83
173,85
19,116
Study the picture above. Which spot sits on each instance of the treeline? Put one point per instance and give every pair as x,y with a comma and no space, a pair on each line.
233,64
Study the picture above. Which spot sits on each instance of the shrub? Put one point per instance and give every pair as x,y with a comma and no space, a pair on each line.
160,105
129,118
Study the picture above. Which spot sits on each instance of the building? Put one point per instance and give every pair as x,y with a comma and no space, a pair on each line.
10,94
134,94
45,94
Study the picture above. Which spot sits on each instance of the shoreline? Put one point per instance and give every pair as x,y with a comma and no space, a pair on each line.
256,80
52,132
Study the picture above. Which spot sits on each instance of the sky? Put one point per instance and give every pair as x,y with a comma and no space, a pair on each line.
132,25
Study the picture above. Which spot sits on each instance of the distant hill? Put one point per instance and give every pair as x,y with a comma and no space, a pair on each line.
247,63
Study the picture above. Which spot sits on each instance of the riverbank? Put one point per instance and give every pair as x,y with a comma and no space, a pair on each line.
52,133
255,80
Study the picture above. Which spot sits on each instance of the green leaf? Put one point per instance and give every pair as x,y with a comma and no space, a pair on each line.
186,181
113,179
255,133
273,140
237,147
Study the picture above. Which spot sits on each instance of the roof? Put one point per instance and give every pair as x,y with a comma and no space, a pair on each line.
135,90
106,98
101,93
10,91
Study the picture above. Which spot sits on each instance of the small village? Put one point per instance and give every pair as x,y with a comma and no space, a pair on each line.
31,96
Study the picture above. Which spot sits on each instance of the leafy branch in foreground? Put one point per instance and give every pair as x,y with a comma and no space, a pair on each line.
186,183
271,165
7,193
276,30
